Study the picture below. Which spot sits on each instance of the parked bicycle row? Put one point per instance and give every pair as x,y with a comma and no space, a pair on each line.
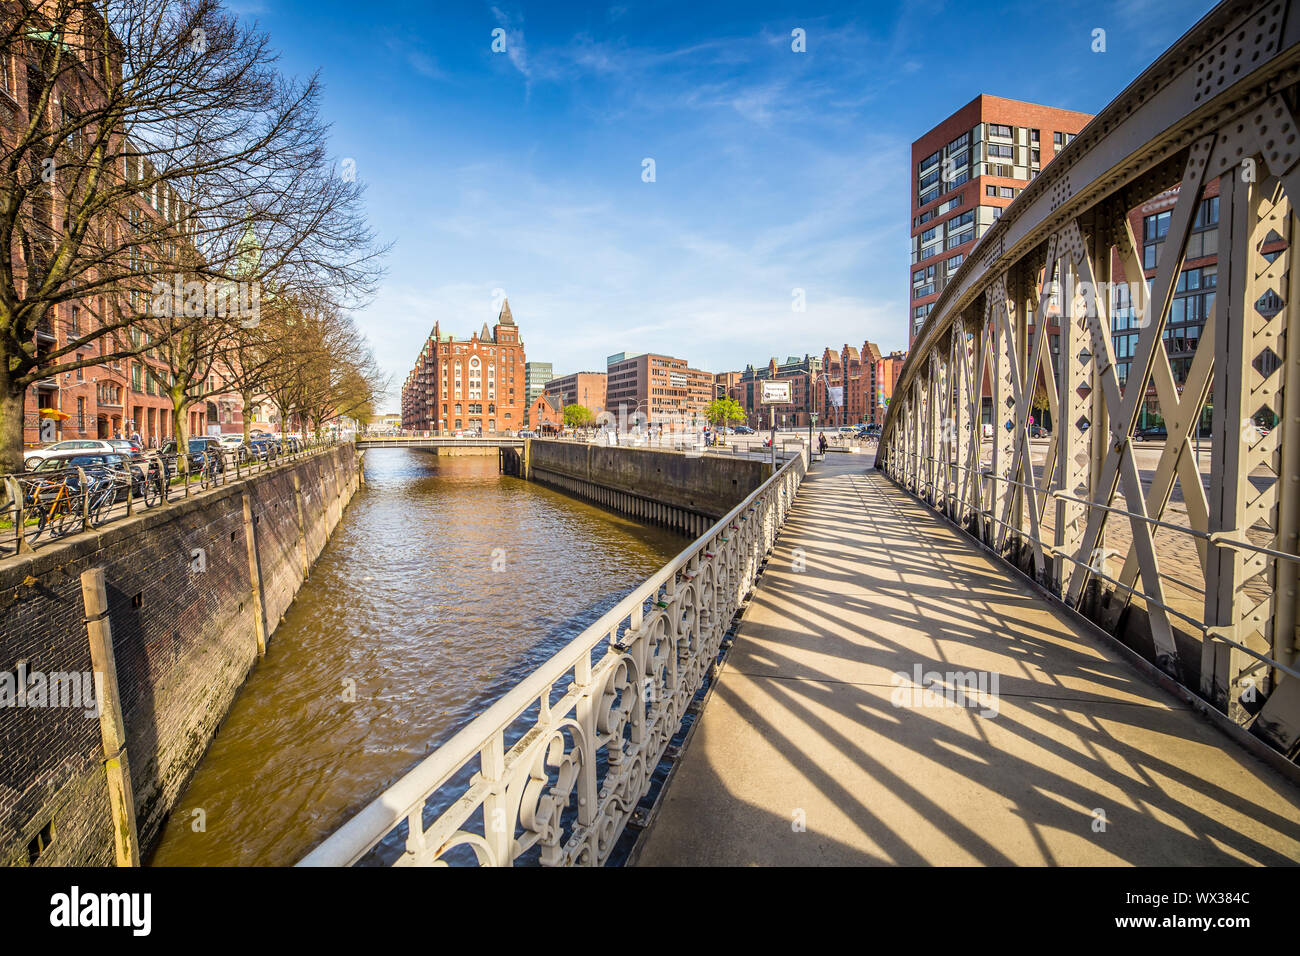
68,490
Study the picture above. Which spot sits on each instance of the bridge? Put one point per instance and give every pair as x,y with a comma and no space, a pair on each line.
436,441
982,649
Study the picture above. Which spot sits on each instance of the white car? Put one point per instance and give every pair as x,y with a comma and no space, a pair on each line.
60,449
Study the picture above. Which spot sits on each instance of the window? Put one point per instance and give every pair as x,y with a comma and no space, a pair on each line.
1033,136
1006,192
996,129
959,142
1207,215
927,163
1061,140
999,151
1154,229
990,190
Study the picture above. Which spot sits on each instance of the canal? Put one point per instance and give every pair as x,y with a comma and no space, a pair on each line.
444,584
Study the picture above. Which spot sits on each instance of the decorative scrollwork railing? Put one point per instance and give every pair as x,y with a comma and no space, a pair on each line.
556,767
1193,563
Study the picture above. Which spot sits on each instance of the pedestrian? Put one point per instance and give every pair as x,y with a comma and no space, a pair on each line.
821,443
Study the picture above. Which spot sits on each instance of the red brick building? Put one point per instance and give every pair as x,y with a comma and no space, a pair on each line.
473,383
965,171
546,415
579,388
100,399
657,387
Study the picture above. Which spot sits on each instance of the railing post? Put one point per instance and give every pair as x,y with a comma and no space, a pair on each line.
498,821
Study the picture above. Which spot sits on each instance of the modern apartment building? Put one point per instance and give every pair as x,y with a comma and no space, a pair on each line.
580,388
965,171
473,383
657,387
536,375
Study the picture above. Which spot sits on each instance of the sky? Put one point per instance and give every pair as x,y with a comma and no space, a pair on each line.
523,171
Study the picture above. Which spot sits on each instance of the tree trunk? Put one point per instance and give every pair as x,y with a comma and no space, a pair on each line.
180,421
247,399
12,401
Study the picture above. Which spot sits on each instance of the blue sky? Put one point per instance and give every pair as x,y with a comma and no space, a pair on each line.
774,170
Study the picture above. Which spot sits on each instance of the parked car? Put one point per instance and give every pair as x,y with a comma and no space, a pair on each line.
198,448
77,446
744,430
264,446
127,448
528,433
1038,431
1151,433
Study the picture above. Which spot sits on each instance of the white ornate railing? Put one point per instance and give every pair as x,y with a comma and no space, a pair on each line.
560,762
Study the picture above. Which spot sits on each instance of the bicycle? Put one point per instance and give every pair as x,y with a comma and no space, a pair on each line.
59,516
208,471
102,487
148,484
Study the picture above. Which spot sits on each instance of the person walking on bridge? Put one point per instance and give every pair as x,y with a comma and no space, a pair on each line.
821,443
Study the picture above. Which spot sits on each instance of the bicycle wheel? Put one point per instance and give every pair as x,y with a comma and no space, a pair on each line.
65,521
151,490
101,506
33,531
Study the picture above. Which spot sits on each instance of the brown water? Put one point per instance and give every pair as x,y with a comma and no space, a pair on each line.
444,584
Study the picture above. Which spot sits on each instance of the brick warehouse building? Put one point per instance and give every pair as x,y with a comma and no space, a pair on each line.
847,387
965,171
468,383
100,399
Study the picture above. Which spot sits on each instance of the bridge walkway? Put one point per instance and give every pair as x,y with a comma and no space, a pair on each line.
802,730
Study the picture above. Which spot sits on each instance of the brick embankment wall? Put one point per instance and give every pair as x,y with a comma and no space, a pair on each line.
184,617
681,491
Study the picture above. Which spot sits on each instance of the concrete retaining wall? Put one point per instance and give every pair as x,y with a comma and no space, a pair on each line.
681,491
184,612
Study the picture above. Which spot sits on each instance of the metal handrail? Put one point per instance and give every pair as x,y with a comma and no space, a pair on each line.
170,468
405,799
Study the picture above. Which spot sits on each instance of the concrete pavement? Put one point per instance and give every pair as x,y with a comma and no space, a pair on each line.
811,751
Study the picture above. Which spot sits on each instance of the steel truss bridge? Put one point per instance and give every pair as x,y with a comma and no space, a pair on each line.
1198,570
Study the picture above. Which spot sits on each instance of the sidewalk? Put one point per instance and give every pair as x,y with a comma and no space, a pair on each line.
802,757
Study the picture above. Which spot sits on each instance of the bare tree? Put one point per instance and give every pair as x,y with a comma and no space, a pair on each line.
319,367
154,144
